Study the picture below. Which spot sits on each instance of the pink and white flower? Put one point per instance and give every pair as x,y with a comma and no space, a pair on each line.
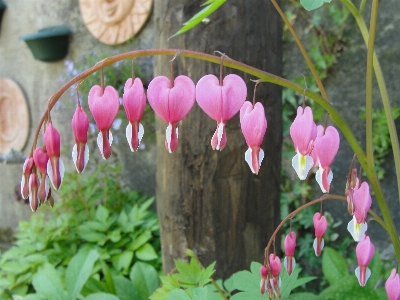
303,132
365,251
55,165
320,226
171,102
254,125
290,245
80,151
134,101
221,101
104,106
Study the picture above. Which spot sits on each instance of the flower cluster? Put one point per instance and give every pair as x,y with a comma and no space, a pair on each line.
171,99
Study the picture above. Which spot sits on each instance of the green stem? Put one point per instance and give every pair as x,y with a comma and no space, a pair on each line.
362,7
371,174
221,292
303,51
368,88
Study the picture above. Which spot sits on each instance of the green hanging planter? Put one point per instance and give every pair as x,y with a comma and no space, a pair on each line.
2,9
49,44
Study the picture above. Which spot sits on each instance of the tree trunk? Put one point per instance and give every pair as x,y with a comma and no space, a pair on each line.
210,201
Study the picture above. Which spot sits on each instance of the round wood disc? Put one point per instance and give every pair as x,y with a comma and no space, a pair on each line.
115,21
14,117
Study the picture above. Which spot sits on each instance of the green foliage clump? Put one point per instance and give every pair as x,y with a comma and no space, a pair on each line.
94,211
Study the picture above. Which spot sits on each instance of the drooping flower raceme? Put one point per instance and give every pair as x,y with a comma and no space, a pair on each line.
221,101
362,202
104,105
80,151
320,226
171,103
276,266
392,286
134,101
303,132
55,165
41,158
365,251
254,125
325,150
290,245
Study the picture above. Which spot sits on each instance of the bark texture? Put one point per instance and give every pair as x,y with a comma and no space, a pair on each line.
209,201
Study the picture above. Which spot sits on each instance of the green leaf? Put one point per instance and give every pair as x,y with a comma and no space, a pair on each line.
348,288
140,240
303,280
303,296
102,214
205,275
188,273
146,252
108,278
79,270
178,295
125,289
313,4
47,283
204,13
288,281
124,260
144,278
101,296
334,266
32,297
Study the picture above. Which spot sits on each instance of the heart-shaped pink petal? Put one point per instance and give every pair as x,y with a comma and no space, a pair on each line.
221,103
171,104
103,105
134,99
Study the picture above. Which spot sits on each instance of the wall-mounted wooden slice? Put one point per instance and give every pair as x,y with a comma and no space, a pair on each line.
115,21
14,117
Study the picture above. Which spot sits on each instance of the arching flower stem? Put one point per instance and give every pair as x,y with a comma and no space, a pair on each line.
294,213
265,77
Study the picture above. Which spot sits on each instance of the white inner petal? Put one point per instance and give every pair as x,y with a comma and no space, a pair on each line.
356,230
141,132
128,134
168,136
302,165
247,158
220,132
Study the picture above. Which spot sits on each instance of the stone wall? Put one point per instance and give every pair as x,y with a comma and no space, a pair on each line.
39,80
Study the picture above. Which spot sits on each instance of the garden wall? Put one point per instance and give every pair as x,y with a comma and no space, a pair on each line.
39,80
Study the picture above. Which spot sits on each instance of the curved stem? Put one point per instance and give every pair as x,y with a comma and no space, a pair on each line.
303,51
294,213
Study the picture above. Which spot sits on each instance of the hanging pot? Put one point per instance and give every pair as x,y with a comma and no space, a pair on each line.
49,44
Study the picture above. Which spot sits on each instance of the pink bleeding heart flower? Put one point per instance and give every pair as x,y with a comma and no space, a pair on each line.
320,226
104,106
362,202
303,132
276,266
290,245
221,101
264,281
80,151
55,166
325,149
26,172
365,251
134,100
41,159
171,103
392,286
33,191
254,125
